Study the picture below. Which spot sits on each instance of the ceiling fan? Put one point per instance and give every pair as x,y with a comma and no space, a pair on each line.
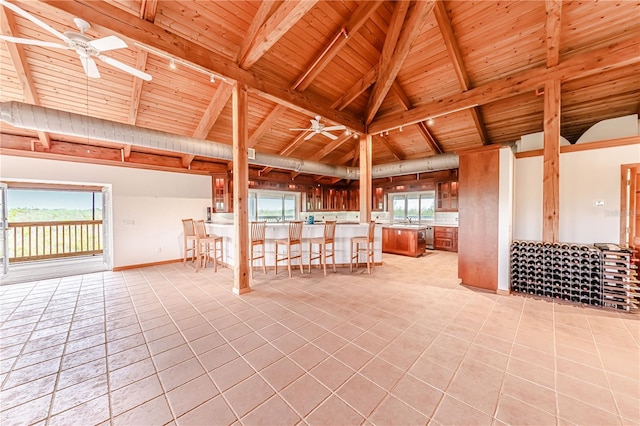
319,128
86,47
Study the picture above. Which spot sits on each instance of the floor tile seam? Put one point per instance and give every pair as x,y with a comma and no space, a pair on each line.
26,296
464,357
209,373
606,376
21,352
153,362
506,367
59,372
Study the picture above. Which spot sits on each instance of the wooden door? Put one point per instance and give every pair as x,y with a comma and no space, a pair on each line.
630,207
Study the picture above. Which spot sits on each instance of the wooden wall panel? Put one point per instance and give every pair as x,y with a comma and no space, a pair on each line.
478,196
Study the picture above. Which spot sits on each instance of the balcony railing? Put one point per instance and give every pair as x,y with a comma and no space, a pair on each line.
48,240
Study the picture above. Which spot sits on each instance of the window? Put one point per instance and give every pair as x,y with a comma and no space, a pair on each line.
416,206
44,205
273,206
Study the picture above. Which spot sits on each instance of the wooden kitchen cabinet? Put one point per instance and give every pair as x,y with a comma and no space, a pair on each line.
221,191
445,238
404,241
447,196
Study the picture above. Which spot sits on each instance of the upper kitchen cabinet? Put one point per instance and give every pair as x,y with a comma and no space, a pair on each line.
221,192
447,196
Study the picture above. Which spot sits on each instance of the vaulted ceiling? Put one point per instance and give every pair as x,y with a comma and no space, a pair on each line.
476,68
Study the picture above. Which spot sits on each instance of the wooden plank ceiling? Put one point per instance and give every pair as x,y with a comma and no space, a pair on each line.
382,66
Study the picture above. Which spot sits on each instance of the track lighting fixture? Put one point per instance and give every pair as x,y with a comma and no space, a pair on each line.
430,122
172,64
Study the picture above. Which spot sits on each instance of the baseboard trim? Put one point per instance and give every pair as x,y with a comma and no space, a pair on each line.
503,292
145,265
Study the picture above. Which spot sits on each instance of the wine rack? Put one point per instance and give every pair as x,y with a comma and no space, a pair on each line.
599,275
621,289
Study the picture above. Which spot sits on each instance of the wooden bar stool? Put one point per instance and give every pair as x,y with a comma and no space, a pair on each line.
209,247
323,250
257,239
190,239
295,238
363,245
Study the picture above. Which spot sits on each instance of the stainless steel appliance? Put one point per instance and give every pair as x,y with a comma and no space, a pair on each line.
428,237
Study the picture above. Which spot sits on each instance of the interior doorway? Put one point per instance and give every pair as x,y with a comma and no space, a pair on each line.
52,229
630,207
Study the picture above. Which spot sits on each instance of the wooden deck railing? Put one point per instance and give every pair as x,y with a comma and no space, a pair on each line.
48,240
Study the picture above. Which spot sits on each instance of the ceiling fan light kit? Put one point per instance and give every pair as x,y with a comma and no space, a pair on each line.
318,128
86,47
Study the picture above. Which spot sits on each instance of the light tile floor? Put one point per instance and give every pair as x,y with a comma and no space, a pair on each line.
405,345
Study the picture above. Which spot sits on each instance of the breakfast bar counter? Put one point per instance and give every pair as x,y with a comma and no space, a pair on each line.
274,231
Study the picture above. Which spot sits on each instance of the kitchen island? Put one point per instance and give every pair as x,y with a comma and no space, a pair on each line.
403,239
276,231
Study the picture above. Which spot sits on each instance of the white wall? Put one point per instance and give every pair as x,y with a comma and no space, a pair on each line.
505,215
147,205
585,177
527,219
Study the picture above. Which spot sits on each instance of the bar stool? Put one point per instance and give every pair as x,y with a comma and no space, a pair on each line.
209,247
366,248
189,232
323,250
257,239
295,238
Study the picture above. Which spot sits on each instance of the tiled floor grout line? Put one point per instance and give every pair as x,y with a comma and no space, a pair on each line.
157,373
23,346
208,373
606,376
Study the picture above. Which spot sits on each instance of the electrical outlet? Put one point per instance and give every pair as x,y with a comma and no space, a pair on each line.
159,249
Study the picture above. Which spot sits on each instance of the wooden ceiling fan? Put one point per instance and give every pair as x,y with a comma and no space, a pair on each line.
86,47
319,128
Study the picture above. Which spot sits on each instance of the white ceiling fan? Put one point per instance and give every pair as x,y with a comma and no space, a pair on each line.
319,128
86,47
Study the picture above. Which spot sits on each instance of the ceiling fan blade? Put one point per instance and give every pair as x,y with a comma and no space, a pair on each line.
105,44
302,130
32,42
90,67
33,19
329,135
340,127
126,68
309,136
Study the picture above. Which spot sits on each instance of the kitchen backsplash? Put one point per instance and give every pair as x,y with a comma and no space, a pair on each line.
446,217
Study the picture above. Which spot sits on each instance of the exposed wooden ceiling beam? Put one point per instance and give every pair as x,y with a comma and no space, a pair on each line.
70,151
148,9
18,59
388,70
126,152
291,146
432,143
277,25
265,10
444,24
329,148
358,18
215,107
394,150
356,90
266,124
617,54
552,28
105,16
187,159
346,157
136,90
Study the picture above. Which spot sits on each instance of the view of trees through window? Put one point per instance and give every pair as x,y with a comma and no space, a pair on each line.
417,206
35,205
273,206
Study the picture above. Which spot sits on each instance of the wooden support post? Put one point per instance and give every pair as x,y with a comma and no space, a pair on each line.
365,179
240,189
551,169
